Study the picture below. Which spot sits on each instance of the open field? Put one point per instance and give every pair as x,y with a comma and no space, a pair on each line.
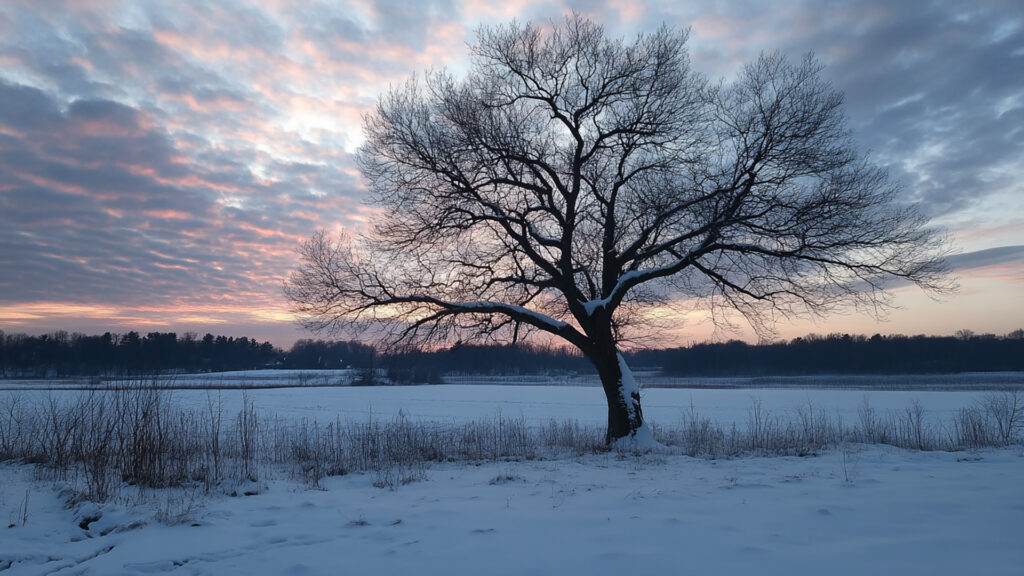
538,404
875,510
507,479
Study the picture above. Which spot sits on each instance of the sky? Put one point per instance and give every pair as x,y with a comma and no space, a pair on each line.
160,162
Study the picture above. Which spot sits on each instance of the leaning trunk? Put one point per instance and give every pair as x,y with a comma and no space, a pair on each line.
625,417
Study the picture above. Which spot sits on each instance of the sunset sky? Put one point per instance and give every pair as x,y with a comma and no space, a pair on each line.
160,162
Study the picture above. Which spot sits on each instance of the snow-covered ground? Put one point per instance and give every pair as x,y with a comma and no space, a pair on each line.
540,404
855,510
870,510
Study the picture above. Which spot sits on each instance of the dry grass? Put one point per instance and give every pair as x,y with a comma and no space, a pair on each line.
103,441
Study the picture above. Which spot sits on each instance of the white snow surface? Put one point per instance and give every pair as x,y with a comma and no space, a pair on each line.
858,510
889,512
541,404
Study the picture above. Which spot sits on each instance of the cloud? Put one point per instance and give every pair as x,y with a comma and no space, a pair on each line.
1004,261
179,152
99,203
930,93
930,87
170,156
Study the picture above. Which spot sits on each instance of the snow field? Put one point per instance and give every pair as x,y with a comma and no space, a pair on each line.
540,404
848,508
875,510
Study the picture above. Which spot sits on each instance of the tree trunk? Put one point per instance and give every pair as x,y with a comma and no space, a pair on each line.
625,417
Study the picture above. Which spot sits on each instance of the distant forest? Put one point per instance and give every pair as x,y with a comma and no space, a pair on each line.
844,354
60,354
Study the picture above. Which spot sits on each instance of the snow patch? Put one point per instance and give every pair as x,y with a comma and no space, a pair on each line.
641,439
537,316
592,306
629,385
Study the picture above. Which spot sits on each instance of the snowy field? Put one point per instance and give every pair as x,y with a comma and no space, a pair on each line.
873,511
453,404
858,509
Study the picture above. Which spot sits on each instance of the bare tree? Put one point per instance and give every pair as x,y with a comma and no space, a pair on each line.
572,179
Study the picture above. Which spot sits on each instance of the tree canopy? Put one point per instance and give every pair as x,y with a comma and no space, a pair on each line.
570,179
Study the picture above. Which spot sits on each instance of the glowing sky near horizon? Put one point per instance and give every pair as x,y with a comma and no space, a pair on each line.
161,161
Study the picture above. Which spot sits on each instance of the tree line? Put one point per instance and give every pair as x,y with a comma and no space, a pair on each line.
844,354
59,354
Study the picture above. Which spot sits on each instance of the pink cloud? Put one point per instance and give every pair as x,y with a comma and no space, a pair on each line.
251,111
